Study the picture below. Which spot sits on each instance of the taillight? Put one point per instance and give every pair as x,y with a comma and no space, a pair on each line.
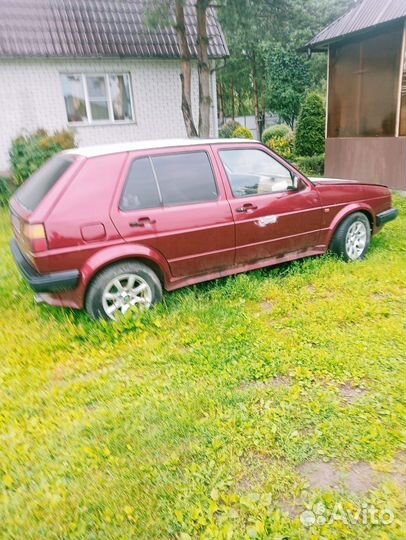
35,234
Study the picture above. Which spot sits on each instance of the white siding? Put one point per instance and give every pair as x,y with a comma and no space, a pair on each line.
31,98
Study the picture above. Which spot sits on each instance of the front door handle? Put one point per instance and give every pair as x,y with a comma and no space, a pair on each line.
247,208
142,222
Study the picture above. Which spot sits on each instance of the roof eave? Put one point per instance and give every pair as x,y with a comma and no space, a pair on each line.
322,45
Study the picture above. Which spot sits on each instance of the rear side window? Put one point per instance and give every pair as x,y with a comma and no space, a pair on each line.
169,180
32,192
185,178
141,190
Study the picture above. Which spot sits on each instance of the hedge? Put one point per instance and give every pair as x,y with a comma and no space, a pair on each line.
29,152
311,127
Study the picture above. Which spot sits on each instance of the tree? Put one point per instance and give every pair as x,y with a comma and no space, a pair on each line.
249,26
171,12
311,127
287,81
254,30
203,68
186,69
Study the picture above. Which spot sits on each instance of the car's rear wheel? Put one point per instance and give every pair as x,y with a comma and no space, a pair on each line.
123,287
352,237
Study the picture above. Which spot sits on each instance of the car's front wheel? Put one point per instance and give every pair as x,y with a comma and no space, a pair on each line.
352,237
122,287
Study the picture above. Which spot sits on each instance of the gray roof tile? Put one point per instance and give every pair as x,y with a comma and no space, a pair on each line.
364,15
95,28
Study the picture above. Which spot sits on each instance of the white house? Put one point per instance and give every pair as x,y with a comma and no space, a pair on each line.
95,66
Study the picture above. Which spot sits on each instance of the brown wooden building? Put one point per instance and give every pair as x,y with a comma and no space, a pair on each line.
366,97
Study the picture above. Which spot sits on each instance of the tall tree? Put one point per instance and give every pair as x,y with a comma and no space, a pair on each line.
288,79
203,67
249,26
172,12
254,31
186,69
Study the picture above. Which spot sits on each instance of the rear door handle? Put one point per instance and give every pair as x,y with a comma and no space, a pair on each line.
142,222
246,208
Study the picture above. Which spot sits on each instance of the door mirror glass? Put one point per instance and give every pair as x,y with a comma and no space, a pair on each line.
296,183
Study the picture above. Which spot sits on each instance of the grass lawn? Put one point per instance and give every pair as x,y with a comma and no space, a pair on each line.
221,414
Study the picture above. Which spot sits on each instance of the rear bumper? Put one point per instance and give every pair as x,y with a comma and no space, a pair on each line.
52,282
388,215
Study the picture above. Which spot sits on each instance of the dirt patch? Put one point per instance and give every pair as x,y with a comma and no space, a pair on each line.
267,306
254,471
379,296
358,479
292,508
276,382
321,475
361,478
397,471
64,377
351,394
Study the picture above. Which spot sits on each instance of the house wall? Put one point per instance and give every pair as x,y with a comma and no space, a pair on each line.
380,160
31,97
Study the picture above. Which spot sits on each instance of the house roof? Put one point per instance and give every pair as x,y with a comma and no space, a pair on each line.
104,149
96,28
365,14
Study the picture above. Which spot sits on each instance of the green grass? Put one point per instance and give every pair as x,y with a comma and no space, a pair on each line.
192,420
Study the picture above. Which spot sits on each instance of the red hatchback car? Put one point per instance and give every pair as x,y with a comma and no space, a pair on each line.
109,227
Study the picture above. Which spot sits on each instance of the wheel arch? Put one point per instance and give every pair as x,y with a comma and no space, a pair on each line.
341,216
118,254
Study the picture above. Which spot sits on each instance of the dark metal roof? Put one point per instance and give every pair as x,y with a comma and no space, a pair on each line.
364,15
95,28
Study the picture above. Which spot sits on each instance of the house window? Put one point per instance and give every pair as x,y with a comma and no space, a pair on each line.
363,86
97,98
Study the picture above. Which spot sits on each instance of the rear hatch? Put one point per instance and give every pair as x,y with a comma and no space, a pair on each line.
28,225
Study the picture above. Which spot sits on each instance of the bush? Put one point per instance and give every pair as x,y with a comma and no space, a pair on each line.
242,133
311,127
226,131
29,152
310,165
5,190
279,130
282,145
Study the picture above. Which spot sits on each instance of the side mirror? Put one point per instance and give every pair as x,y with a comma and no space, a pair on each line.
295,184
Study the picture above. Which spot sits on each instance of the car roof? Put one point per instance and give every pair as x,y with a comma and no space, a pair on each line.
105,149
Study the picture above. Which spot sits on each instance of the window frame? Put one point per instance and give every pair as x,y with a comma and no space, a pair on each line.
106,75
236,197
150,157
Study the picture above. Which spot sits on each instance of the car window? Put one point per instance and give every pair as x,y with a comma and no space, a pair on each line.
33,191
140,189
185,178
253,172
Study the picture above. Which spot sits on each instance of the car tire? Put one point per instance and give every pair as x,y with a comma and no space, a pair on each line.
352,237
121,287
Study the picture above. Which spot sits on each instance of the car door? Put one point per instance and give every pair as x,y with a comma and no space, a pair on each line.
171,201
273,217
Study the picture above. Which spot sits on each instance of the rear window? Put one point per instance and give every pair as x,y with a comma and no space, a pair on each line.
31,193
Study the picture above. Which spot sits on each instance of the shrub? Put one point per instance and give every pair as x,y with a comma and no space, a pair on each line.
282,145
310,165
279,130
29,152
5,190
226,131
242,133
310,127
